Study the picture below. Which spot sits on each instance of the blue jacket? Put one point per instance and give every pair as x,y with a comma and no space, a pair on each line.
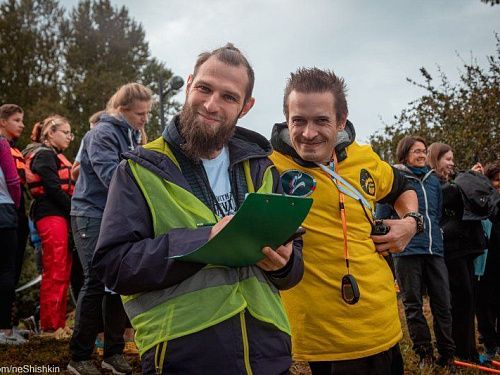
102,151
430,200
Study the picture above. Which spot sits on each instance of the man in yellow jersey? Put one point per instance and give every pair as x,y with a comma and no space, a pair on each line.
344,313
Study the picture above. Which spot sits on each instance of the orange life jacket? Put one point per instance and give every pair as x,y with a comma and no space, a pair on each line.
34,181
20,164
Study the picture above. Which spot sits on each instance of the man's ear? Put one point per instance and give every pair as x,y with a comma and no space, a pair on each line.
188,84
341,124
247,107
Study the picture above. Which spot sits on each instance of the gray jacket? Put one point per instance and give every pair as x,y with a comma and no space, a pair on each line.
102,151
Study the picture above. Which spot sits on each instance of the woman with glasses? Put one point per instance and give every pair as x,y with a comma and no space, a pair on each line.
48,174
422,262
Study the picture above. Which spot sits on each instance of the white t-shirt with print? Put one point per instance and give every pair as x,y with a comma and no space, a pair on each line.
217,170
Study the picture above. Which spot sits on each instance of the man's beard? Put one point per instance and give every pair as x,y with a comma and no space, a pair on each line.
202,140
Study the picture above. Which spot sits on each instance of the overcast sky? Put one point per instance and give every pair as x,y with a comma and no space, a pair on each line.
374,45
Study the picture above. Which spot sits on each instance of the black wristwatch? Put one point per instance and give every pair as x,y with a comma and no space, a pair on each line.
419,219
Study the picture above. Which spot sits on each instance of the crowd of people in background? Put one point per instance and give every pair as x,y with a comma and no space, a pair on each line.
440,261
454,259
63,195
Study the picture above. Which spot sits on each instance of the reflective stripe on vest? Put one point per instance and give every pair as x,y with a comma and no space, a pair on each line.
34,181
20,165
213,294
212,276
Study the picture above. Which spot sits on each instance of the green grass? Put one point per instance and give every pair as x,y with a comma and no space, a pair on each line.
51,352
48,351
410,359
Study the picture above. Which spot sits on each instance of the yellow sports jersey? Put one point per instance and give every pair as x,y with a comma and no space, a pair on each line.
324,327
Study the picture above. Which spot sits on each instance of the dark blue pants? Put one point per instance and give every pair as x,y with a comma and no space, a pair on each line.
389,362
413,272
95,308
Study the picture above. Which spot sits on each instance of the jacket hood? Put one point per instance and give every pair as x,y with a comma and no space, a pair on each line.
409,173
133,135
480,199
402,168
244,144
280,140
114,120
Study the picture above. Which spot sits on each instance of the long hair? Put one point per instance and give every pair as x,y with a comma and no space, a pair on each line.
436,152
126,95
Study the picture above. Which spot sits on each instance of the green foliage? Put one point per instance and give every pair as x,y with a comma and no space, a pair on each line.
104,49
491,2
465,115
152,73
72,64
31,50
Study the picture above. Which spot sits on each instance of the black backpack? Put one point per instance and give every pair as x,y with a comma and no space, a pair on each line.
480,198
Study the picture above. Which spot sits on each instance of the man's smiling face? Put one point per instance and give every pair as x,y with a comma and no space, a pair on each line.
313,125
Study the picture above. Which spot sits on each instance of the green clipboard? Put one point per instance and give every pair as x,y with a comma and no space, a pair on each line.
262,220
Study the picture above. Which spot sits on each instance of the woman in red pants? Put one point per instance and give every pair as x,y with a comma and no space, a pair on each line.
48,174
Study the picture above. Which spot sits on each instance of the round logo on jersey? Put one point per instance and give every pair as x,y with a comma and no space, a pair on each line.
297,183
367,182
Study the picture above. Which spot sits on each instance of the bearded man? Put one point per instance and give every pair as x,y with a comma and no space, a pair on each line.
195,318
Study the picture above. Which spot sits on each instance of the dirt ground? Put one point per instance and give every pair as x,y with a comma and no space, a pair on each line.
52,353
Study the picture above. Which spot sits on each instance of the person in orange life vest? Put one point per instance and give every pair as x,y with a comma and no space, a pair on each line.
48,174
11,127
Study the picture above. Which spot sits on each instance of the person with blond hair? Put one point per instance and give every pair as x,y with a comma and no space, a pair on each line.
118,130
48,175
